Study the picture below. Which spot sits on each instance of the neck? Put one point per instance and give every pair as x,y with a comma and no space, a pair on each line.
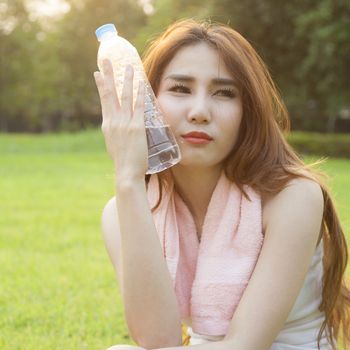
196,186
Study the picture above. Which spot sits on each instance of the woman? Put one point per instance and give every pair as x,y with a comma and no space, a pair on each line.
239,245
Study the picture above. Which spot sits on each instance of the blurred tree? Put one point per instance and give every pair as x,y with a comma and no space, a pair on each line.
47,76
46,73
166,12
18,48
78,50
324,71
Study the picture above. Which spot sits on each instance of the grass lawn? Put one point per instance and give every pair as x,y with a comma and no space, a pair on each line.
58,289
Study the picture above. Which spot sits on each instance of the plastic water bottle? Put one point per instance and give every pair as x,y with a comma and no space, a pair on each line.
163,151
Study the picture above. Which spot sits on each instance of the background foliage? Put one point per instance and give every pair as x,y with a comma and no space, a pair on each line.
46,65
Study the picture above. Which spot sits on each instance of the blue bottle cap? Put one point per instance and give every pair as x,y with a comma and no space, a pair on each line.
104,29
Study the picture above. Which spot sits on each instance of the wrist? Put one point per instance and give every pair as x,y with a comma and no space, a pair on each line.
129,182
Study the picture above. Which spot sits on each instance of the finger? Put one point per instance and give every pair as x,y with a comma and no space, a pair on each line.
100,87
99,82
110,92
139,110
127,93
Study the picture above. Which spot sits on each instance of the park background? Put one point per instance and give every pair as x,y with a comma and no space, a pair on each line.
57,287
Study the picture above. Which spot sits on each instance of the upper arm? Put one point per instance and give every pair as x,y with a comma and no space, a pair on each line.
293,226
111,235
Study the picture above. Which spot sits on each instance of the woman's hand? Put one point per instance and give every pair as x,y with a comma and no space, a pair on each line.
122,125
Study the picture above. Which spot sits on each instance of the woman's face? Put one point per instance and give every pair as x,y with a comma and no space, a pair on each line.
197,93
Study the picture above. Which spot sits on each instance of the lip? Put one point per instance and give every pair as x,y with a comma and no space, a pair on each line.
197,135
196,140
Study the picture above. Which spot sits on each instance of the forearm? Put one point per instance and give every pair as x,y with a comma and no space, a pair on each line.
150,303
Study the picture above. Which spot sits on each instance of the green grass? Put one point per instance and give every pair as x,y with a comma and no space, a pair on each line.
57,288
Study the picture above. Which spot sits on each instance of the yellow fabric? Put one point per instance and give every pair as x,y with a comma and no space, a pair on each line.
185,336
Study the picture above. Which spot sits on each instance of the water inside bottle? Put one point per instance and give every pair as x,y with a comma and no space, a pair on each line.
163,151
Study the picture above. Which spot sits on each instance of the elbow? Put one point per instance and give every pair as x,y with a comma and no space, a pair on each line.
154,331
157,341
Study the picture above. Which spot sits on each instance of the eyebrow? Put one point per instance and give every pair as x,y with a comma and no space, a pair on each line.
189,79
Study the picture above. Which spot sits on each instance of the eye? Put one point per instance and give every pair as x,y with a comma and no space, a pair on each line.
226,93
180,88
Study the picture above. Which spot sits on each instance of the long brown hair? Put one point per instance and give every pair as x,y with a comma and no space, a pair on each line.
261,157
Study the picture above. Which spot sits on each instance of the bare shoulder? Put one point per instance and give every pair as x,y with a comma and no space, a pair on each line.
109,210
297,187
301,199
109,218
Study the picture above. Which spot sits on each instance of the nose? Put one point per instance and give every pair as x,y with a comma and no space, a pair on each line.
199,112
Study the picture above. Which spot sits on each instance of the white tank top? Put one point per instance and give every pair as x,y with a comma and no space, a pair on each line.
301,328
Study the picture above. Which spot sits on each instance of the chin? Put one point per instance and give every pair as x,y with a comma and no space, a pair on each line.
188,162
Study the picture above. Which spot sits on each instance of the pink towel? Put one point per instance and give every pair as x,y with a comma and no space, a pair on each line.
209,276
